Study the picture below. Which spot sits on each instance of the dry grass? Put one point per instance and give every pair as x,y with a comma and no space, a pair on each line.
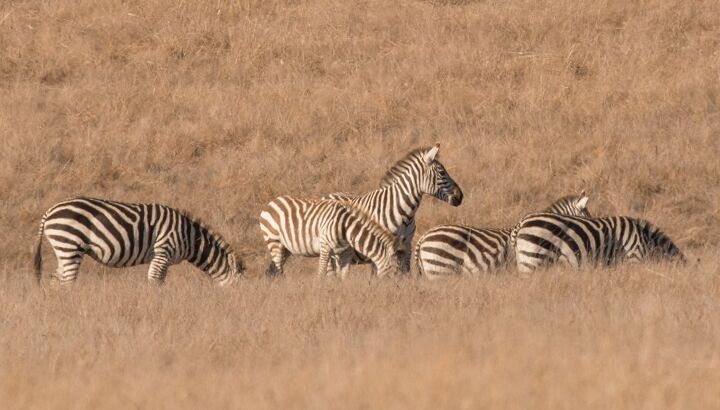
219,106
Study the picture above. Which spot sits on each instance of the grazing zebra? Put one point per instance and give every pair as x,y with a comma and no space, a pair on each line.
287,223
406,231
544,239
450,249
342,226
119,235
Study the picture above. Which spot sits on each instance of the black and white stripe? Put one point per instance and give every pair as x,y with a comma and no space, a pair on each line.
393,206
342,226
450,249
545,239
120,234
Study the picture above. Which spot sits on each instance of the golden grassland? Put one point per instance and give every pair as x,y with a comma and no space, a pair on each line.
218,106
645,337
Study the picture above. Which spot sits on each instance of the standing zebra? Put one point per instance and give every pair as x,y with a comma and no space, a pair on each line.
342,226
119,235
289,226
450,249
544,239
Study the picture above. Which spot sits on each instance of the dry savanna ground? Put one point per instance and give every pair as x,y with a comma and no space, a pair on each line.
218,106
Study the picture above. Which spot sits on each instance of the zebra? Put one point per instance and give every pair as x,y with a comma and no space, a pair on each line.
544,239
342,226
406,231
450,249
119,234
288,224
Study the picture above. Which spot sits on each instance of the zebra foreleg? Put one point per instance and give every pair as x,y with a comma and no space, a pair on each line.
324,260
344,261
405,260
334,265
158,268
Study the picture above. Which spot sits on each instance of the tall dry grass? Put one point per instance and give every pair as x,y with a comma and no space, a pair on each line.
219,106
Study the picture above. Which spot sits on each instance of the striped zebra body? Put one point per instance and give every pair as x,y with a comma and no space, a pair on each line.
544,239
120,235
450,249
406,232
346,227
287,223
327,228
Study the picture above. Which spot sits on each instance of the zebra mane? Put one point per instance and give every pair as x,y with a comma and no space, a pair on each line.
375,228
340,196
224,245
399,167
653,231
563,200
567,199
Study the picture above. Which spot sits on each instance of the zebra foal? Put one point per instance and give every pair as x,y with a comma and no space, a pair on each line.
451,249
343,226
119,234
544,239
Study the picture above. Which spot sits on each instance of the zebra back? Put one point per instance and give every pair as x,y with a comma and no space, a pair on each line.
450,249
543,238
572,205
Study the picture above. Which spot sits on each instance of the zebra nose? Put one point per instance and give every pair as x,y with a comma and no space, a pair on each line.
457,197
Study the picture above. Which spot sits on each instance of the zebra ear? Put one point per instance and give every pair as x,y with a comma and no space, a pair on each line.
432,153
582,202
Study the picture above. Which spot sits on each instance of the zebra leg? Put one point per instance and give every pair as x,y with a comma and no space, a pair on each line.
324,259
334,265
278,254
158,268
407,231
344,262
68,267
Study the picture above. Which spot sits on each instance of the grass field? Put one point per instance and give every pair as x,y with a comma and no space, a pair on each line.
219,106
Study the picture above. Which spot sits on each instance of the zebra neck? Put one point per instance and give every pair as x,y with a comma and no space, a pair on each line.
392,206
207,254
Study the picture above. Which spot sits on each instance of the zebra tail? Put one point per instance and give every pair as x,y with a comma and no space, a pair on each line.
513,237
37,261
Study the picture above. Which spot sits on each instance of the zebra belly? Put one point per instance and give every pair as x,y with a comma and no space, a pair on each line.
304,246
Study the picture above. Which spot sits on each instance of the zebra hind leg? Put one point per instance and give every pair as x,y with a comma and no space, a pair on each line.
278,254
158,268
68,267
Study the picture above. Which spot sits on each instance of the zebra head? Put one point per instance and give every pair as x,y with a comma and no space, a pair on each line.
574,205
442,186
422,171
395,251
655,244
